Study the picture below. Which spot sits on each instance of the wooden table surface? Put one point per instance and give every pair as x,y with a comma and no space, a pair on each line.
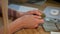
39,30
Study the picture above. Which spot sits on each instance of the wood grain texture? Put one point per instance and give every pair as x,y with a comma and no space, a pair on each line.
5,14
39,30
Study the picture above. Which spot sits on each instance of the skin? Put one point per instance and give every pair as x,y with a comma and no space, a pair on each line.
24,20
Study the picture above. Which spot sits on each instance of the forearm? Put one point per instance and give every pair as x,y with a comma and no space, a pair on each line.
1,30
12,27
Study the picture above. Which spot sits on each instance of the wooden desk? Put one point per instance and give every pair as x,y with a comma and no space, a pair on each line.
39,30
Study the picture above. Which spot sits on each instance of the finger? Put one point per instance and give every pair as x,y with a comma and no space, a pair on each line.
38,17
37,12
40,21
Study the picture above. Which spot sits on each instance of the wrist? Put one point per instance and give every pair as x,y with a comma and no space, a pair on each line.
15,26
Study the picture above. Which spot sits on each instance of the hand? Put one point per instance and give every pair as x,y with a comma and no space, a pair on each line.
37,12
29,21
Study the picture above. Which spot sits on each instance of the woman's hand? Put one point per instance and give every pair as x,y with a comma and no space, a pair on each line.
35,14
26,21
29,21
